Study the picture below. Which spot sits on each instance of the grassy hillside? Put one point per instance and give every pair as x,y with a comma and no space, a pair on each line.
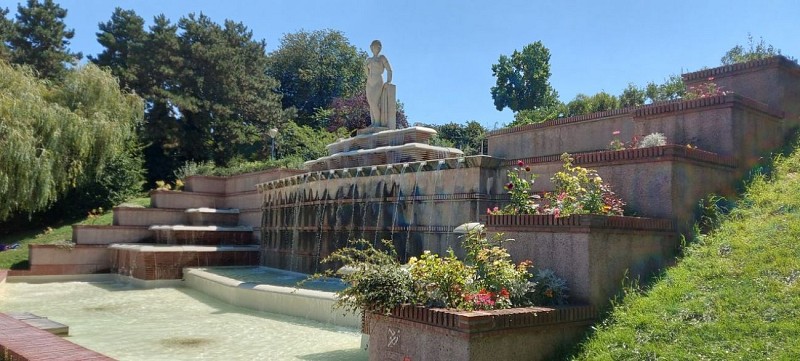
735,295
18,258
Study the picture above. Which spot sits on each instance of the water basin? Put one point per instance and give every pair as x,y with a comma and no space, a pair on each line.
129,323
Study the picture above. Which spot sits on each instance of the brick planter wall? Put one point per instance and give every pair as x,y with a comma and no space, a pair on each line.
593,254
531,333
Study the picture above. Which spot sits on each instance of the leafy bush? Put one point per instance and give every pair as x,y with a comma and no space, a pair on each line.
550,290
377,281
653,140
438,281
486,279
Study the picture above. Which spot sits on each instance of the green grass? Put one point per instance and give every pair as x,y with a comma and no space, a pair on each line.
735,294
18,258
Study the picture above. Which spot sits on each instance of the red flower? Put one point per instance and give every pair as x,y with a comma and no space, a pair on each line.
509,186
520,163
504,293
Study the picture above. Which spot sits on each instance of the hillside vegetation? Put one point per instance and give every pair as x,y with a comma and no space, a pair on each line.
735,294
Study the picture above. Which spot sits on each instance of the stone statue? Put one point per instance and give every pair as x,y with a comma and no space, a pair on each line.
380,96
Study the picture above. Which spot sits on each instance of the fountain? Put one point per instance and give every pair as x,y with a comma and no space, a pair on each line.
385,185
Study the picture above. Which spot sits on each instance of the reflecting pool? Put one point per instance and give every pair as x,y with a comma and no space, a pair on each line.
128,323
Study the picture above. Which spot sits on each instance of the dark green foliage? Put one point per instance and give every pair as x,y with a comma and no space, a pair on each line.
41,39
123,38
377,282
313,69
523,80
632,96
671,89
6,32
304,142
469,138
208,96
352,113
533,116
583,104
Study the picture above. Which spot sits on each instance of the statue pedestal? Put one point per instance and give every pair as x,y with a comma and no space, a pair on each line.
379,145
370,130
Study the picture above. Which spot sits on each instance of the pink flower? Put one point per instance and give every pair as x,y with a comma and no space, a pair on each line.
557,212
710,78
520,163
616,132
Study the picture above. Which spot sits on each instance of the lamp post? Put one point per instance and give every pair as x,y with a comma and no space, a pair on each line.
273,132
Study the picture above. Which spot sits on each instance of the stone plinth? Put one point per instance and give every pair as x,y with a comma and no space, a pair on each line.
374,137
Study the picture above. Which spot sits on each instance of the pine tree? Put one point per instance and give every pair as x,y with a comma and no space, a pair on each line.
41,39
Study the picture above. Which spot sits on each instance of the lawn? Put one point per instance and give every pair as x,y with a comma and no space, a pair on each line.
735,293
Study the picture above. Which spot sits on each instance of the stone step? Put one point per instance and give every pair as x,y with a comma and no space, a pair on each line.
140,216
205,216
184,200
203,235
165,262
92,234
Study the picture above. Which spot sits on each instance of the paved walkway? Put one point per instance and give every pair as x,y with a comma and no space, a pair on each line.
20,341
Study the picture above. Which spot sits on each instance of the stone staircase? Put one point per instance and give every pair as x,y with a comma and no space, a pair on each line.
214,221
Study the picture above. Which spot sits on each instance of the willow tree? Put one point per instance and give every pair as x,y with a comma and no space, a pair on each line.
57,137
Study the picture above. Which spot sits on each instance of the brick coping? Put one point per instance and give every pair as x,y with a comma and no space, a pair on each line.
649,153
495,222
725,70
647,110
472,322
20,341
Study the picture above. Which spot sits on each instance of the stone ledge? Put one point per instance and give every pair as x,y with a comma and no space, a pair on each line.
613,156
534,221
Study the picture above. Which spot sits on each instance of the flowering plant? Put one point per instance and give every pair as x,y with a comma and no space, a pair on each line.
704,90
577,191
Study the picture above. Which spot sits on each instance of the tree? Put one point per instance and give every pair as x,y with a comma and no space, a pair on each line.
754,51
672,88
632,96
123,38
6,32
57,138
352,113
41,39
314,68
533,116
523,80
469,138
208,96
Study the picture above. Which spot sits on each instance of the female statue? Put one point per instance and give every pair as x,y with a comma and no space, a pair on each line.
377,96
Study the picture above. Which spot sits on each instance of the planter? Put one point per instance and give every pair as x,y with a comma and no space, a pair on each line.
594,254
532,333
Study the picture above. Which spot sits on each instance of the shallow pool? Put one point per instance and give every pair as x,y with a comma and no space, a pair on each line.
127,323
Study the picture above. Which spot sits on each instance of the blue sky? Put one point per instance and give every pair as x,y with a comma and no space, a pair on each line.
442,51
